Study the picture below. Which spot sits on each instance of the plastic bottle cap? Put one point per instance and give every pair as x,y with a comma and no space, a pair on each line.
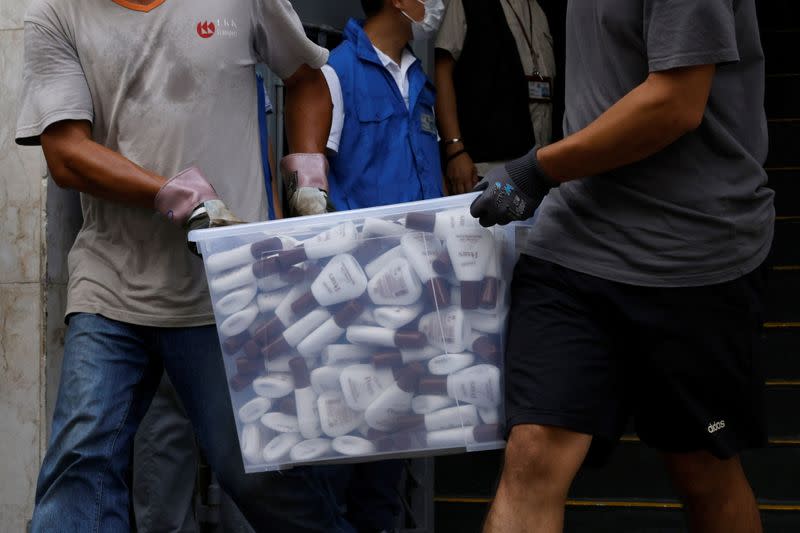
248,367
488,293
291,257
253,350
433,385
369,250
233,344
487,433
410,339
486,348
408,377
299,370
288,406
276,348
266,333
294,275
348,314
421,221
442,264
266,267
303,305
410,421
395,441
388,359
437,292
267,246
239,382
471,294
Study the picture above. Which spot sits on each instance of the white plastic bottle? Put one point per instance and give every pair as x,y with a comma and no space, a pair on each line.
428,403
397,358
353,446
442,223
269,301
384,412
239,322
448,330
488,323
397,316
386,337
422,249
279,447
470,249
252,410
492,290
362,384
478,385
451,417
337,240
306,400
341,280
251,443
395,284
330,330
296,333
235,300
326,378
465,436
375,266
247,253
345,354
309,450
381,228
284,316
281,422
274,385
447,363
336,417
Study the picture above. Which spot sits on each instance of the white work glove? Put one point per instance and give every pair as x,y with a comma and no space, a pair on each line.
306,179
188,200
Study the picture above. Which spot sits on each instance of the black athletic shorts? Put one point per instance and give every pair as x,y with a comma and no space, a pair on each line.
589,355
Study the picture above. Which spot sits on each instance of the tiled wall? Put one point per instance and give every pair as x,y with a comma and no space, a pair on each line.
24,289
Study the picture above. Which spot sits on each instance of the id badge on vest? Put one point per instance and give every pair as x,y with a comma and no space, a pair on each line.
428,124
540,88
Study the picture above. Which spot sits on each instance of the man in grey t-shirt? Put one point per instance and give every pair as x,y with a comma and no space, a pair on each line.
122,94
639,292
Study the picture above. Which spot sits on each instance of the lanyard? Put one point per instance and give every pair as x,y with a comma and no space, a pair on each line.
528,36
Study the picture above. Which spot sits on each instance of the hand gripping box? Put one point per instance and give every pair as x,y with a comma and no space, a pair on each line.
364,334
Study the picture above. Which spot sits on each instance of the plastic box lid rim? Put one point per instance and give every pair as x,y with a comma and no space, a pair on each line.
332,218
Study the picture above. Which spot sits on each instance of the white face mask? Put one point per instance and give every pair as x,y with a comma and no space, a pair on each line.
429,25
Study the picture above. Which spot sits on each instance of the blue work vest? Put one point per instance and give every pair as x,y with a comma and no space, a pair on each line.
387,153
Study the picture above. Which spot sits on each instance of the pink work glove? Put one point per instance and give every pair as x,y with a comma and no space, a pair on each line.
306,180
188,200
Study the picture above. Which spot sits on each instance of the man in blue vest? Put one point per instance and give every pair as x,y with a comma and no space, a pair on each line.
382,149
383,143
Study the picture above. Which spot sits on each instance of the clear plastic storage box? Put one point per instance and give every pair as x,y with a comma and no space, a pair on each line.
363,334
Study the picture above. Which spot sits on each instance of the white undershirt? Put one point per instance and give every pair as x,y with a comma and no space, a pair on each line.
399,74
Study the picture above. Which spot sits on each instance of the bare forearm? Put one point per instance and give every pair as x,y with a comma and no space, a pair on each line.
77,162
446,104
644,122
309,111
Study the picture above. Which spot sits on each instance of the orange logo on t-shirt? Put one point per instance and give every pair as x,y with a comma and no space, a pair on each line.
205,29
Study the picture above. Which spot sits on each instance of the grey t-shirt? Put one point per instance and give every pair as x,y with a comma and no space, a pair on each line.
168,86
696,213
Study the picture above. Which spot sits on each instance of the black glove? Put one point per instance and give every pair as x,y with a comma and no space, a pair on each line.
512,191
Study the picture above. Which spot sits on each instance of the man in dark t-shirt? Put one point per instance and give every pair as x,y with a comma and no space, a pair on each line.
638,294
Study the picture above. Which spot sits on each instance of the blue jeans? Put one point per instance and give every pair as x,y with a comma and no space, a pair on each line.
110,372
